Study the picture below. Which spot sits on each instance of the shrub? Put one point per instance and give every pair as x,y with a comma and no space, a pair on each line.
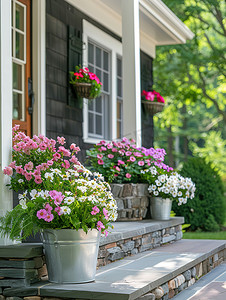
206,210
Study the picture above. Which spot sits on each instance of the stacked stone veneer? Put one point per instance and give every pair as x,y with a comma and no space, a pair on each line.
21,265
132,200
171,288
122,248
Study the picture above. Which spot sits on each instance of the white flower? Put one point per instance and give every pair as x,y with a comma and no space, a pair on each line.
33,194
180,194
23,203
22,196
65,210
174,194
153,170
49,176
83,189
20,180
158,183
69,200
156,193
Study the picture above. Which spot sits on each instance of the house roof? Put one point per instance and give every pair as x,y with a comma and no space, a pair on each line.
158,24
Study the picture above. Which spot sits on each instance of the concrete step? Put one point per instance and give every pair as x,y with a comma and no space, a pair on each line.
157,274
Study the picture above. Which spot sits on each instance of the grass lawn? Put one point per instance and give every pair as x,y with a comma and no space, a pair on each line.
220,235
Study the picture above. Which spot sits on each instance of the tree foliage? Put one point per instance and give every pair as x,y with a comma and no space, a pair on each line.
192,76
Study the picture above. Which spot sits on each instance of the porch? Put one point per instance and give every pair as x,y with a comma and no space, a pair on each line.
138,260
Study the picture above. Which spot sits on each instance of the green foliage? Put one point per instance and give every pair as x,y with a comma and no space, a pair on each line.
207,209
218,235
192,76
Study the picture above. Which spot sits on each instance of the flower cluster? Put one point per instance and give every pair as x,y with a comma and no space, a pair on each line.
59,192
152,96
85,76
169,185
123,162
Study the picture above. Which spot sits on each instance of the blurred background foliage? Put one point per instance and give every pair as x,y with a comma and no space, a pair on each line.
191,78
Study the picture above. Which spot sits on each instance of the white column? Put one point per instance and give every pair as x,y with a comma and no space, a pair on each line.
6,198
131,70
39,65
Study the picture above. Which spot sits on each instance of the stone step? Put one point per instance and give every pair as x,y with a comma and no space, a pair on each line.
157,274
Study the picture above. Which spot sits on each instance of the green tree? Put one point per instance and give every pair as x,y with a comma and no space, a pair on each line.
192,76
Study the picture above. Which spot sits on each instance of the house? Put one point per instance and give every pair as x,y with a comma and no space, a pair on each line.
42,40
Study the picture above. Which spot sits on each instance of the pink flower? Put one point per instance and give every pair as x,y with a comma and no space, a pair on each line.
42,146
120,162
73,147
19,170
57,197
73,159
66,164
109,146
58,210
141,163
128,175
103,148
114,150
128,153
105,232
48,208
61,140
49,162
105,212
100,162
29,166
38,179
41,214
13,164
28,176
65,151
99,156
8,171
100,225
132,158
56,156
117,168
110,156
49,218
95,210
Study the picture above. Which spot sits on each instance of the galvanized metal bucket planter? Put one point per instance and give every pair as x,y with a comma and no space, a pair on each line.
160,208
71,255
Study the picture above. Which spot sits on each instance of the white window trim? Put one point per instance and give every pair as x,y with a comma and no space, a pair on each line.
115,47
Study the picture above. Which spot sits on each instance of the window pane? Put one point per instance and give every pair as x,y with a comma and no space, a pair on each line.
119,87
19,17
19,46
119,67
18,107
105,82
91,68
119,110
99,105
98,73
119,134
91,127
106,66
91,104
98,125
91,53
17,77
98,57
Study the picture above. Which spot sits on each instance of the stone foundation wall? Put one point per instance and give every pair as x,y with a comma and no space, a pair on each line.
171,288
137,244
132,200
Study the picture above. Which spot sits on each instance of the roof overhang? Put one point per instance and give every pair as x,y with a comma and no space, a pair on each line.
158,24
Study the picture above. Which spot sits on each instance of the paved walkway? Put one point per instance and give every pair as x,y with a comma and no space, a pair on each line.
212,286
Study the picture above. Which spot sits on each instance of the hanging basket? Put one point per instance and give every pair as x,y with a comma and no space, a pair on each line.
83,89
153,107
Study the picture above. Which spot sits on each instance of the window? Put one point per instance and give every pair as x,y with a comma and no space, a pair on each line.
19,59
99,63
119,98
103,115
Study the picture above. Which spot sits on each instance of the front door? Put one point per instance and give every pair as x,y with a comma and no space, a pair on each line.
21,59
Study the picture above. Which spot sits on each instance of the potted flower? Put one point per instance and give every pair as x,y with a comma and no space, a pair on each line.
153,101
166,187
69,204
121,163
86,83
